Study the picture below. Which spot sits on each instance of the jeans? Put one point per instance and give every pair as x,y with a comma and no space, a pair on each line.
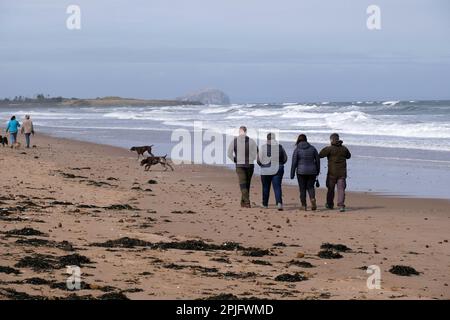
27,139
341,186
13,137
245,177
275,180
306,184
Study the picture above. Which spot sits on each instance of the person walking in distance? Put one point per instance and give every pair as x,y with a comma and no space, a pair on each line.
243,152
27,129
337,155
13,128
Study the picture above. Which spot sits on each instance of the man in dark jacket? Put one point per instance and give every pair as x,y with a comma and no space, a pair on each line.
306,163
271,159
337,155
243,151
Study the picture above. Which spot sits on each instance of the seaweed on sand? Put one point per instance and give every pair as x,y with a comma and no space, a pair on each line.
40,262
404,271
261,262
9,270
302,264
329,254
255,252
120,207
287,277
25,232
124,242
337,247
16,295
193,245
63,245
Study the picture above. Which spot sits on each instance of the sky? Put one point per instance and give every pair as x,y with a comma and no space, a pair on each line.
254,50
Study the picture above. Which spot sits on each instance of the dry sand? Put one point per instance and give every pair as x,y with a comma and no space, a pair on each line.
61,188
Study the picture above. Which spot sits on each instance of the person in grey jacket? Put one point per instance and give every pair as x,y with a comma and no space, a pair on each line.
306,163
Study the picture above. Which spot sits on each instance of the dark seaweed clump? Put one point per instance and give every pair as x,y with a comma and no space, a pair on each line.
25,232
63,245
194,245
255,252
124,242
405,271
9,270
40,262
261,262
113,296
329,254
221,260
302,264
120,207
336,247
222,296
16,295
286,277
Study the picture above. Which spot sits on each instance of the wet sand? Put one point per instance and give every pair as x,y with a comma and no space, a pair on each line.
182,234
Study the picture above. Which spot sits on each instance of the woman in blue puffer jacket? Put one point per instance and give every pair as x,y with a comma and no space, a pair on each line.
306,163
13,128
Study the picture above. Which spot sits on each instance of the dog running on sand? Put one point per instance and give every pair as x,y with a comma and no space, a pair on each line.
151,161
141,150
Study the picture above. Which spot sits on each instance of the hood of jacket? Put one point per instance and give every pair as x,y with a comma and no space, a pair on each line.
303,145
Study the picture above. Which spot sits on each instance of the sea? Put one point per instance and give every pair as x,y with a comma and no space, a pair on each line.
399,148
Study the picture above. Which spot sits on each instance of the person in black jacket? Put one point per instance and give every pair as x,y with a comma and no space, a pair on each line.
243,151
271,158
306,163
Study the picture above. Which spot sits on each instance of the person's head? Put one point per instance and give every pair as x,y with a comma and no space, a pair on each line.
27,117
242,130
301,138
13,118
271,137
334,138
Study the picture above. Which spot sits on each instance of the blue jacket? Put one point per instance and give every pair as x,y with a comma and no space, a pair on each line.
305,160
13,126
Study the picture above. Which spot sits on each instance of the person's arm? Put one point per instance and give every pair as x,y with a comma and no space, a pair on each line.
7,128
317,158
32,128
294,163
348,155
284,157
230,152
258,159
324,152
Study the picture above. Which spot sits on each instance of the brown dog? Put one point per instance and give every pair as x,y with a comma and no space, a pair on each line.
150,161
141,150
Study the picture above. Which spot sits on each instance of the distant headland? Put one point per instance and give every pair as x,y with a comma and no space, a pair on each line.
96,102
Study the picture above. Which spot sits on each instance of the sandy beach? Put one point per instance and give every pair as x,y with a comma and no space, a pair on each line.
183,235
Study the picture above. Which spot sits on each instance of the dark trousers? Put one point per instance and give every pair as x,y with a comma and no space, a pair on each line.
274,180
306,184
341,184
245,177
27,139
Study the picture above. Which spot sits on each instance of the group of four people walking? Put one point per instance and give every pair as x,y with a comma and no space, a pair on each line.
305,165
